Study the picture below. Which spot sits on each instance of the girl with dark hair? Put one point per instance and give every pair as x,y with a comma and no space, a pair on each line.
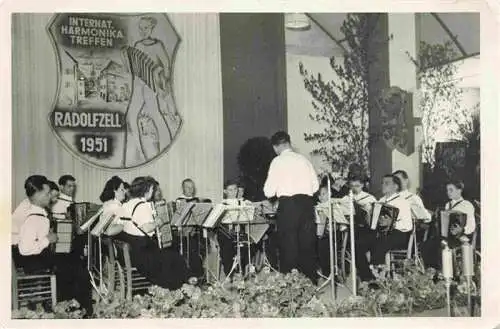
458,234
163,267
112,197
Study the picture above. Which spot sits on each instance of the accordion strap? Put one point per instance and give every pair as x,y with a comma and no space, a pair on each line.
37,214
135,224
456,204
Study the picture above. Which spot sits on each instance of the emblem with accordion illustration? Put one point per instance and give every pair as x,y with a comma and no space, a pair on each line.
115,106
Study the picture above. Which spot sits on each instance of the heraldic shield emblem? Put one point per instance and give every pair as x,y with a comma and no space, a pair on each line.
115,106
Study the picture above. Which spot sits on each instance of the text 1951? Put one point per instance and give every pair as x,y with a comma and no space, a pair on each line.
94,145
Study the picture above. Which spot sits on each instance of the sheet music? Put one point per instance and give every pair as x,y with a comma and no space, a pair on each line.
238,214
91,220
102,224
181,214
198,214
214,216
339,211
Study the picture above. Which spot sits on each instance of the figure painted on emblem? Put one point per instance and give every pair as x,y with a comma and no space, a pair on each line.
152,118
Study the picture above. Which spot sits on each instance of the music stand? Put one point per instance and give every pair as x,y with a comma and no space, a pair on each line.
212,220
239,215
179,218
195,219
337,215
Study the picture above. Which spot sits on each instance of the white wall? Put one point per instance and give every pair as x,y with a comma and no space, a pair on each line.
198,94
299,102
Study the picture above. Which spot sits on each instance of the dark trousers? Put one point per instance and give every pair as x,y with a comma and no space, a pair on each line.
378,245
297,235
72,277
163,267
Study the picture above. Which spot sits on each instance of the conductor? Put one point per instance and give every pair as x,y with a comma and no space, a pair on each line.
292,179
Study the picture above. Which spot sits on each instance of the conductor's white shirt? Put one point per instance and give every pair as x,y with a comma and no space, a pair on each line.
33,232
290,173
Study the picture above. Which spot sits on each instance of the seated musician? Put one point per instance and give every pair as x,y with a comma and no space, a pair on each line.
226,236
54,194
35,239
379,242
67,189
323,236
163,267
112,197
18,217
457,235
415,201
191,236
188,191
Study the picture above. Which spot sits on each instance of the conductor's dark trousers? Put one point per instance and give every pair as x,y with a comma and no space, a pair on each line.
297,235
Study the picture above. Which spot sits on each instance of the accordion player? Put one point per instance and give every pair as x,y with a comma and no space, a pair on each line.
388,214
452,225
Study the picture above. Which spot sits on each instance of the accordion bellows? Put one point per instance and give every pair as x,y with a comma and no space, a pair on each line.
142,66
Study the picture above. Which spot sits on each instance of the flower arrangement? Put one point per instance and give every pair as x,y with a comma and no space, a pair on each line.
268,294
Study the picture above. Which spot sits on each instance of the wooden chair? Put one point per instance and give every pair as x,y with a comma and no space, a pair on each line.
398,256
134,281
114,276
32,288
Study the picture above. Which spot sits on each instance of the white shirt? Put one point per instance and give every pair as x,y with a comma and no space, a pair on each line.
33,233
290,174
365,200
416,202
110,208
143,214
467,208
18,218
60,208
404,222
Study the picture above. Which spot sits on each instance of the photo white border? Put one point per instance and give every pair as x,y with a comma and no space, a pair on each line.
490,14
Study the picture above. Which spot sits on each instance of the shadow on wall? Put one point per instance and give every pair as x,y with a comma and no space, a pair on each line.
254,158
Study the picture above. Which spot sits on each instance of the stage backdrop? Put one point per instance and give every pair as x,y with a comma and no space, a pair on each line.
198,98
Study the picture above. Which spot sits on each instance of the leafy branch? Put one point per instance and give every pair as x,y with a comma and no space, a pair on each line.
440,97
341,106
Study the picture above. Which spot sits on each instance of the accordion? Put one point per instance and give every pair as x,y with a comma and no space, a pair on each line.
381,210
64,231
81,212
162,218
142,66
450,219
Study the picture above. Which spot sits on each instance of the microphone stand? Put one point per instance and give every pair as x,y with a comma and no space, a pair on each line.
331,278
353,248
